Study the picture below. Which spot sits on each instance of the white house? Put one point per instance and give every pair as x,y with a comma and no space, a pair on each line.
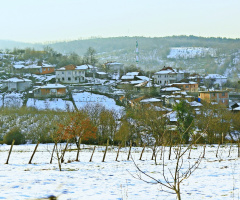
19,84
71,74
168,75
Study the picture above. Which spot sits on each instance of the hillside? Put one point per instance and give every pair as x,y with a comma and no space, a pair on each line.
196,54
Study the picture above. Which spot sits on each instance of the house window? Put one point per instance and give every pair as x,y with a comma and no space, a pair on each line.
187,86
223,94
62,79
62,72
69,73
69,78
75,78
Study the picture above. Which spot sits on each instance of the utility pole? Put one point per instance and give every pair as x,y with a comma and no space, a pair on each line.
137,53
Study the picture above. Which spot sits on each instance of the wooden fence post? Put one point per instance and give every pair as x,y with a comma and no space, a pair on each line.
154,151
30,161
217,150
170,151
105,152
64,151
52,153
10,151
142,152
229,153
204,149
92,154
238,148
119,147
189,154
129,150
78,150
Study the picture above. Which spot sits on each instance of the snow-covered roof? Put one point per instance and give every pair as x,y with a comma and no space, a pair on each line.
169,89
17,80
132,73
142,84
157,108
172,116
127,77
32,67
190,83
114,63
102,73
166,72
150,100
144,78
18,66
237,108
52,86
195,104
82,67
136,82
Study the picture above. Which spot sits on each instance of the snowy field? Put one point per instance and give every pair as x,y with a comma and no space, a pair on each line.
87,98
52,104
216,178
11,99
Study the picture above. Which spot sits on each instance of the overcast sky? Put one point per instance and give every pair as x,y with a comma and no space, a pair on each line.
52,20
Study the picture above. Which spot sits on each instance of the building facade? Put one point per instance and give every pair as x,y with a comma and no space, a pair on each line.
167,75
50,90
218,96
17,84
71,74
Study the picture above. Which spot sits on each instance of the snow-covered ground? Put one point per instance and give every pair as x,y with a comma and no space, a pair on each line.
53,104
216,178
87,98
11,99
190,52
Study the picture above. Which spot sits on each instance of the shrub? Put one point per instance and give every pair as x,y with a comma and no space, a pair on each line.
14,134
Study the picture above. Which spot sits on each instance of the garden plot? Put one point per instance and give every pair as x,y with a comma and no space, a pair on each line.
52,104
86,98
216,178
11,99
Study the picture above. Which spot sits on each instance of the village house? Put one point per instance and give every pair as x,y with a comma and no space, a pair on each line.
42,68
168,75
216,96
16,84
71,74
151,101
188,87
50,90
113,67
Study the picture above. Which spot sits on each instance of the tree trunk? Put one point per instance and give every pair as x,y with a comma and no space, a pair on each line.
78,149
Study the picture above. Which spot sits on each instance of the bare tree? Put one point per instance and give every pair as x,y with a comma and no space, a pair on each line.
172,177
